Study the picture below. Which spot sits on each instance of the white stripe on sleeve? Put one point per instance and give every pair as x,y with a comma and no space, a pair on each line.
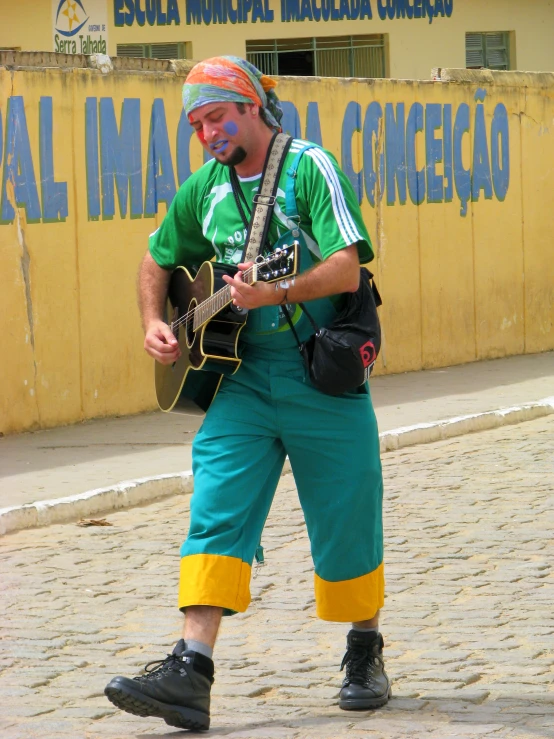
347,225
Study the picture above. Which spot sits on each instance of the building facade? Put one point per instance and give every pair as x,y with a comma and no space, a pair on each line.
330,38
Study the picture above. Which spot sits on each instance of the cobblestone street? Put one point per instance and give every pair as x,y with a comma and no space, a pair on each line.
468,622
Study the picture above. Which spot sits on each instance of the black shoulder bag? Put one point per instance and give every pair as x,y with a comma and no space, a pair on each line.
340,358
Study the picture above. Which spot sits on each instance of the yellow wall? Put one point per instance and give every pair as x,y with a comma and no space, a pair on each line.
459,283
415,46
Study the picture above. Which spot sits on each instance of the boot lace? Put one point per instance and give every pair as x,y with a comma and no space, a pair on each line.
158,668
360,665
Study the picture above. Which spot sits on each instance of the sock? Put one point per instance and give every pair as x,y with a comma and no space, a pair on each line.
375,629
200,647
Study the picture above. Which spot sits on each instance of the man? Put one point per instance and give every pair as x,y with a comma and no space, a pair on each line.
268,408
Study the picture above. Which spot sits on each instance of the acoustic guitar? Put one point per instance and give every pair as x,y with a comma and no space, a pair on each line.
207,326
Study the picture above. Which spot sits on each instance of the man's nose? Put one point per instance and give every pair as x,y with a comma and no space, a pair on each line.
211,133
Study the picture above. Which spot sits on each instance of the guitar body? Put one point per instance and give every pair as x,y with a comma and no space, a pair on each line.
212,348
202,317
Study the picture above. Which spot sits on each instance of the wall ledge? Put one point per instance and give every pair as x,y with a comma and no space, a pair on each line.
491,77
50,59
15,60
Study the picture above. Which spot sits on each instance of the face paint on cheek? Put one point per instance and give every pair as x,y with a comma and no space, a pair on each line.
231,128
199,131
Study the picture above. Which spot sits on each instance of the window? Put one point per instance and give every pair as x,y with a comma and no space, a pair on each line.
339,56
488,50
154,51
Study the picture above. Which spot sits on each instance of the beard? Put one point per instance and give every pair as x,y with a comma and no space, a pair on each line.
237,156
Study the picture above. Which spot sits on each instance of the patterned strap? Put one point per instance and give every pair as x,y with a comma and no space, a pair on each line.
264,201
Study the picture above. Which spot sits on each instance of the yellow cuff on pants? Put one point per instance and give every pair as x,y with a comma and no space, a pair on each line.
357,599
214,580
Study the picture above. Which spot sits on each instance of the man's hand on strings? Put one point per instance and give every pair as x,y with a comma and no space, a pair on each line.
161,344
251,296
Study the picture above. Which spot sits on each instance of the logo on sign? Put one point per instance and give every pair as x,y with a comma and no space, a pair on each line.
70,17
79,31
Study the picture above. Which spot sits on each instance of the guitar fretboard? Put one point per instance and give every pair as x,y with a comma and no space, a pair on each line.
216,302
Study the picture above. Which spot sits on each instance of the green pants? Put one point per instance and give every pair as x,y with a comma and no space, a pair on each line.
267,410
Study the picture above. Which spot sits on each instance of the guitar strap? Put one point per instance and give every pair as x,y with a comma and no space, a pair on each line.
264,200
258,227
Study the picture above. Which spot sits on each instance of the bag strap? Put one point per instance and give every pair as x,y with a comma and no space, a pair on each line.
291,211
239,196
291,324
264,200
290,188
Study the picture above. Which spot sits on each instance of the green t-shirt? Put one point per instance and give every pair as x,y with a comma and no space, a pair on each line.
203,222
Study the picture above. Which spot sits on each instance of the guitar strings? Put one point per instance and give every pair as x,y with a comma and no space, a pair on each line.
190,314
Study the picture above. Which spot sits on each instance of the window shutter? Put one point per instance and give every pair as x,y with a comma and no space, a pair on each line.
489,50
152,51
135,50
165,51
475,57
497,50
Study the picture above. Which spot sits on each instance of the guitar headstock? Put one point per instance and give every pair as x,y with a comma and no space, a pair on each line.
278,265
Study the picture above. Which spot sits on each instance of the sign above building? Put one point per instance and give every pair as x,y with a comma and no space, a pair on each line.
80,26
167,12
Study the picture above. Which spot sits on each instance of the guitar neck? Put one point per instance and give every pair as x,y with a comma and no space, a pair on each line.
207,309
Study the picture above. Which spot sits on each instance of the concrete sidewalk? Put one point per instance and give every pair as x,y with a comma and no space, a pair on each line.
58,474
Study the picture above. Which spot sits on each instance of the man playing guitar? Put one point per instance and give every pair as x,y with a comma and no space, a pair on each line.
268,409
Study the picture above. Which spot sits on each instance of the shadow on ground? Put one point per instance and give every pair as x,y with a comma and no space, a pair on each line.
403,717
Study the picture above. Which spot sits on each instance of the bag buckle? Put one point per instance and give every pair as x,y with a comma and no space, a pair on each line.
267,200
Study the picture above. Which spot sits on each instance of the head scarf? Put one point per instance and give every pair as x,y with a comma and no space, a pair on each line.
230,79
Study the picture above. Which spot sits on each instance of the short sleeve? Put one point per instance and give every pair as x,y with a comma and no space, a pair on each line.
327,197
179,239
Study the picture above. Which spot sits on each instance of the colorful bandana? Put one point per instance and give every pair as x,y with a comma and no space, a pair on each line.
230,79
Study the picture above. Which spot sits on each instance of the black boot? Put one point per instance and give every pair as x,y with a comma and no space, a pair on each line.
176,689
366,684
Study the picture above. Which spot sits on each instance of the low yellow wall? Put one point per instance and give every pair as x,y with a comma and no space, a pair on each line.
454,178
